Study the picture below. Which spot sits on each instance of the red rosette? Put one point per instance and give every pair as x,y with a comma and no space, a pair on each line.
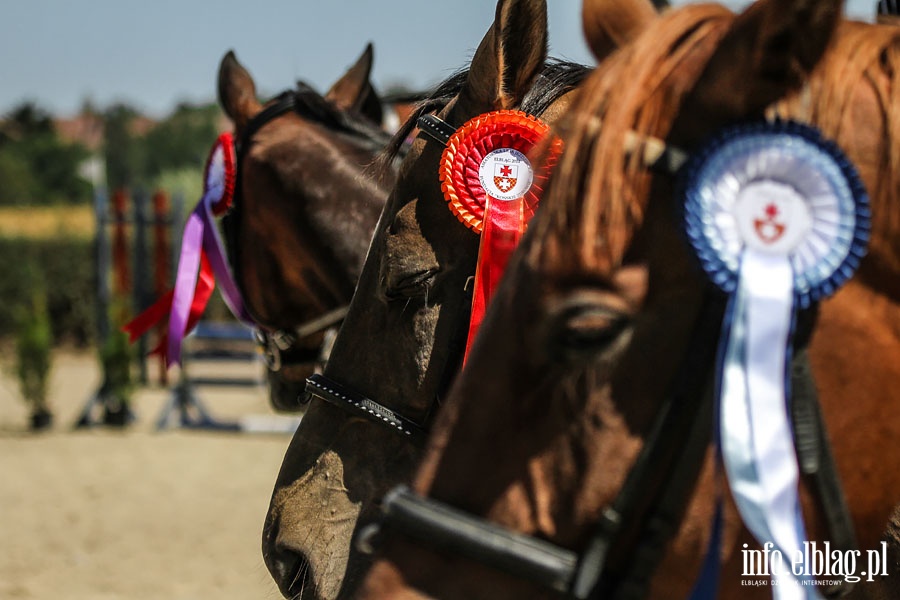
492,188
460,162
225,144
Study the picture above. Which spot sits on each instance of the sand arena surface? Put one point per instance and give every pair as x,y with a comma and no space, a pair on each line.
136,514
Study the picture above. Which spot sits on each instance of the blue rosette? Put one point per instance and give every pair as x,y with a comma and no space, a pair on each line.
778,219
796,155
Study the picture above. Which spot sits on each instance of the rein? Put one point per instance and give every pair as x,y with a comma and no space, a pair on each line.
629,540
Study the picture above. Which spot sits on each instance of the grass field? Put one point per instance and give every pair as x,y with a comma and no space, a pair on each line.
47,221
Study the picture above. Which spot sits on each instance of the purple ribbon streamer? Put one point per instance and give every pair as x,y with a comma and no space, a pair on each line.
215,252
200,234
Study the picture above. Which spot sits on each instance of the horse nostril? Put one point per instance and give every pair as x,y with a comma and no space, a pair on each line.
290,570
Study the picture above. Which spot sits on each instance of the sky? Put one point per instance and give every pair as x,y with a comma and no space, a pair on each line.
153,55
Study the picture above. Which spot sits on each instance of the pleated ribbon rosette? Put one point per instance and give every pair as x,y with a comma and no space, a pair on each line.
779,219
202,261
492,188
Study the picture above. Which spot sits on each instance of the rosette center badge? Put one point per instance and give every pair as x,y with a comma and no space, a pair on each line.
505,174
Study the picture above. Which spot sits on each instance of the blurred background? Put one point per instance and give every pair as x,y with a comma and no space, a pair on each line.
107,114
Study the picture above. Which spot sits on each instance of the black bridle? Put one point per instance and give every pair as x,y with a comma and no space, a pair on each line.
331,391
556,79
280,347
629,540
343,396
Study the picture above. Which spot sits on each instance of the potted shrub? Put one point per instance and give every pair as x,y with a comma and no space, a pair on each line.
115,356
34,344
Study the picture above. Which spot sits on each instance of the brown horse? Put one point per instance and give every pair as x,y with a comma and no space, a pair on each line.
304,212
402,339
592,321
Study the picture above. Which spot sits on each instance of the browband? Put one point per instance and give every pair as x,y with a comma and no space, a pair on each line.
655,153
436,128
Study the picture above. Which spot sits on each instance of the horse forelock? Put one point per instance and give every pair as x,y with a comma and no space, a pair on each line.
356,126
598,193
863,58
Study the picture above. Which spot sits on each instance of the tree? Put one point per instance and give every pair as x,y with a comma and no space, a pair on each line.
123,151
36,167
181,141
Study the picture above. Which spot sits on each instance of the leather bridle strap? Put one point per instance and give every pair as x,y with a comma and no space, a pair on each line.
451,530
279,345
580,576
818,467
436,128
634,531
648,507
322,322
284,103
660,481
330,391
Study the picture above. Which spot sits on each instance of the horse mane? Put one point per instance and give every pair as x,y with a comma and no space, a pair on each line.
556,79
599,191
311,105
861,55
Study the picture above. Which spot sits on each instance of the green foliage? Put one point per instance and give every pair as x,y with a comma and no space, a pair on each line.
36,167
183,140
123,152
66,265
116,357
186,182
33,345
179,143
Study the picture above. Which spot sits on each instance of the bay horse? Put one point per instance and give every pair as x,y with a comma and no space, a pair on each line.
402,339
304,210
591,324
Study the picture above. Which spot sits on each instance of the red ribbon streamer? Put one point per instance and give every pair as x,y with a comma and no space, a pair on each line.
203,290
144,322
501,230
500,222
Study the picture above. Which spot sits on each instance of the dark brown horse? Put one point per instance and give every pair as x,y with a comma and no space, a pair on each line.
403,338
304,212
591,325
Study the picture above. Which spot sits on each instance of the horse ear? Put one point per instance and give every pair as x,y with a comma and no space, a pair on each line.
769,51
509,57
237,92
609,24
354,92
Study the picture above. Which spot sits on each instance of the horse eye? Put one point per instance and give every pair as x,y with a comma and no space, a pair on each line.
409,285
586,325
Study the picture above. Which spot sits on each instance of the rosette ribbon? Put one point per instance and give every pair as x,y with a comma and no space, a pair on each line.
779,219
492,188
202,261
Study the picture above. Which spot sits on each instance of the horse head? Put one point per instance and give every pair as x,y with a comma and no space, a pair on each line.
304,210
403,337
593,323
